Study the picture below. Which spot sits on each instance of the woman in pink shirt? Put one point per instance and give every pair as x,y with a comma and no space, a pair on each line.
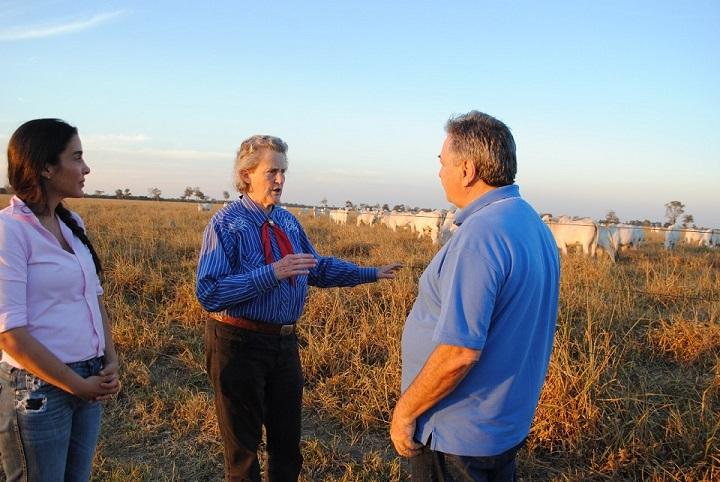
58,358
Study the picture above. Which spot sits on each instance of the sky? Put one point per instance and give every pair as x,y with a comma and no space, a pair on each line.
613,104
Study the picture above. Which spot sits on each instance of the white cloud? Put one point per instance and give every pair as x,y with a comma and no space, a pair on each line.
40,31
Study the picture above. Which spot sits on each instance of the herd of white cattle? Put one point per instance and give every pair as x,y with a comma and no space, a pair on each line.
591,236
436,225
612,238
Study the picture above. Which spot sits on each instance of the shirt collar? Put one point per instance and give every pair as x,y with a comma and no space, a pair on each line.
497,194
20,208
256,212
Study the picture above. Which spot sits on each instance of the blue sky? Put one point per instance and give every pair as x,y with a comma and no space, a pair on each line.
613,105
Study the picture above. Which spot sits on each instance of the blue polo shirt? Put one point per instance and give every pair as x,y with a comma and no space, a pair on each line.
493,287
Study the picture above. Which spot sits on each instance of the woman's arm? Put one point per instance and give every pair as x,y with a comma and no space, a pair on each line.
38,360
111,366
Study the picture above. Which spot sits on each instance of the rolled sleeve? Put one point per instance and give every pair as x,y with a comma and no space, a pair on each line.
13,279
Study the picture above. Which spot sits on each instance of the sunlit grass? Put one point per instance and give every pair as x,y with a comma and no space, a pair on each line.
633,390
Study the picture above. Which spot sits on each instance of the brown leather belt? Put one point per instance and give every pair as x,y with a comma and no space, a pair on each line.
258,326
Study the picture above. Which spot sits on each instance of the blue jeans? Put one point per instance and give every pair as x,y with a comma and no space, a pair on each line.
46,434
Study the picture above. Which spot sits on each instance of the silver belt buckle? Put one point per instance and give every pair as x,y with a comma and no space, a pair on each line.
287,330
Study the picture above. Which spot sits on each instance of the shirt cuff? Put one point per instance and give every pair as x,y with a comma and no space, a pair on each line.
265,278
367,275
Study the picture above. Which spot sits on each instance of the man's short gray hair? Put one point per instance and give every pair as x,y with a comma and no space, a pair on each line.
248,156
488,143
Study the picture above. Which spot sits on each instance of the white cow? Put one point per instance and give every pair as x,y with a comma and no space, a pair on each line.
204,207
629,236
366,217
672,235
394,220
427,224
608,241
339,216
569,232
448,227
693,237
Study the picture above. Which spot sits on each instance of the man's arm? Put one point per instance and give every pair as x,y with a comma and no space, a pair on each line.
444,369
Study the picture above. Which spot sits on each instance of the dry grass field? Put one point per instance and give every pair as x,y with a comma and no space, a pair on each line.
633,391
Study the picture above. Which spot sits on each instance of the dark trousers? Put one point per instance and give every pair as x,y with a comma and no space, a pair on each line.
258,381
433,466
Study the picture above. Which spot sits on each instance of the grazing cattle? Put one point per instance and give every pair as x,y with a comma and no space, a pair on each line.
569,232
693,237
367,217
447,228
706,238
204,207
339,216
394,220
715,238
608,239
672,236
629,236
427,224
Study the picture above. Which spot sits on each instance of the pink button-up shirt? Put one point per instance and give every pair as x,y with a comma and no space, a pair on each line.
52,293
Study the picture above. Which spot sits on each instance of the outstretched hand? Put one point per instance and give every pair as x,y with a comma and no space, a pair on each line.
294,265
388,271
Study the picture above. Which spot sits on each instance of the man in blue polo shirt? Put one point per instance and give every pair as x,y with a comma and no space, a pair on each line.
476,345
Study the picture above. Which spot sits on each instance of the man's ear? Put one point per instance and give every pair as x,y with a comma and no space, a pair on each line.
469,171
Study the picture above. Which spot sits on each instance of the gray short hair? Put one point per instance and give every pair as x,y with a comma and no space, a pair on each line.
488,143
248,156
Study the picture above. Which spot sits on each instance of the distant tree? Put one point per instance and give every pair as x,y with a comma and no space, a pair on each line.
119,193
199,194
687,219
188,193
612,218
349,205
323,202
98,192
385,207
673,210
399,207
647,222
127,193
154,193
226,195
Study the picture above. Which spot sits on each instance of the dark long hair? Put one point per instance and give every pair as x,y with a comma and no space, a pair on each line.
33,145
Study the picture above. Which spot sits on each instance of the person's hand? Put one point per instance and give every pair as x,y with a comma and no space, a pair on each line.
91,388
388,271
294,265
111,383
401,434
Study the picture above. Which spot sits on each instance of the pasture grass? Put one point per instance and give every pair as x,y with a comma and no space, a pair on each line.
632,393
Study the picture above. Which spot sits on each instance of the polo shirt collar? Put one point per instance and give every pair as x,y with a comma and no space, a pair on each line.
20,208
256,212
497,194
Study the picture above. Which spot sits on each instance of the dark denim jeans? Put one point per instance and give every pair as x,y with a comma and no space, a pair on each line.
434,466
258,381
46,434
